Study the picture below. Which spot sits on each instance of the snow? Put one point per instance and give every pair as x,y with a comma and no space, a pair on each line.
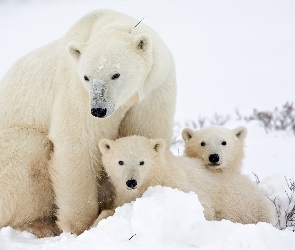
164,218
230,55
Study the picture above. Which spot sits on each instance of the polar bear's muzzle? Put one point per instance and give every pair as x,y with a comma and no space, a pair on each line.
101,105
103,110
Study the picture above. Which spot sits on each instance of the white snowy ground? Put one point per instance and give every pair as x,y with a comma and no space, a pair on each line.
229,55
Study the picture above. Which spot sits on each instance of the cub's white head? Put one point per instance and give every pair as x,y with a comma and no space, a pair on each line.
131,162
219,148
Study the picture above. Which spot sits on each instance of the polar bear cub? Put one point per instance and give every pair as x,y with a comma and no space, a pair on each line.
219,148
135,163
235,197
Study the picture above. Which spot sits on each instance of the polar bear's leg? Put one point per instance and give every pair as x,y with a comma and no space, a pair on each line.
25,188
74,183
43,227
103,215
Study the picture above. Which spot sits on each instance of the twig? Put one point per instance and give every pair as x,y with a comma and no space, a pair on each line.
132,236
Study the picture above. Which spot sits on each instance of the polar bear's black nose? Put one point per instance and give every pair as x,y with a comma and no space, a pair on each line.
131,184
98,112
214,158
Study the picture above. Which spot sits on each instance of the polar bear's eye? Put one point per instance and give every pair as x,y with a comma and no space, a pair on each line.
121,163
115,76
203,144
223,143
86,78
141,163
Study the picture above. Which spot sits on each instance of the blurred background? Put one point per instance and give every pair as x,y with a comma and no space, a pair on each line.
229,54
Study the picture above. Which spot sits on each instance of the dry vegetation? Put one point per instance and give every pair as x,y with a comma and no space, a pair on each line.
279,119
284,206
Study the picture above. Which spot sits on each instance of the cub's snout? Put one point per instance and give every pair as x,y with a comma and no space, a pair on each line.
214,159
131,184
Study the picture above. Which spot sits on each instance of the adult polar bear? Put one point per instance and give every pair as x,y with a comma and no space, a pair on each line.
58,101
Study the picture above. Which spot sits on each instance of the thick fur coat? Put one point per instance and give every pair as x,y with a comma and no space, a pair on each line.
105,78
234,196
136,163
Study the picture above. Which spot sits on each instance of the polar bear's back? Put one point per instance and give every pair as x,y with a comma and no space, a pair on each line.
26,93
245,201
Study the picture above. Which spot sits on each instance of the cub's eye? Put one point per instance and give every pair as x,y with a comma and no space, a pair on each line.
115,76
203,144
141,163
223,143
121,163
86,78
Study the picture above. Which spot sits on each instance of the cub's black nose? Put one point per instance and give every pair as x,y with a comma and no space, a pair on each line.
214,158
131,184
98,112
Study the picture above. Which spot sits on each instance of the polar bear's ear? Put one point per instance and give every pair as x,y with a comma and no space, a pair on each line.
105,145
241,132
143,42
187,134
74,50
158,145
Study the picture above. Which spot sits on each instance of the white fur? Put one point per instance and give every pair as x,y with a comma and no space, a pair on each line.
150,164
45,99
208,141
235,197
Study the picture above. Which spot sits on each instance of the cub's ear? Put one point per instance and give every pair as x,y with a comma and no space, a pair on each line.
143,42
241,132
158,145
74,50
187,134
105,145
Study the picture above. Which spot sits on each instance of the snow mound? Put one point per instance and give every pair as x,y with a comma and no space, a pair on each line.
164,218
